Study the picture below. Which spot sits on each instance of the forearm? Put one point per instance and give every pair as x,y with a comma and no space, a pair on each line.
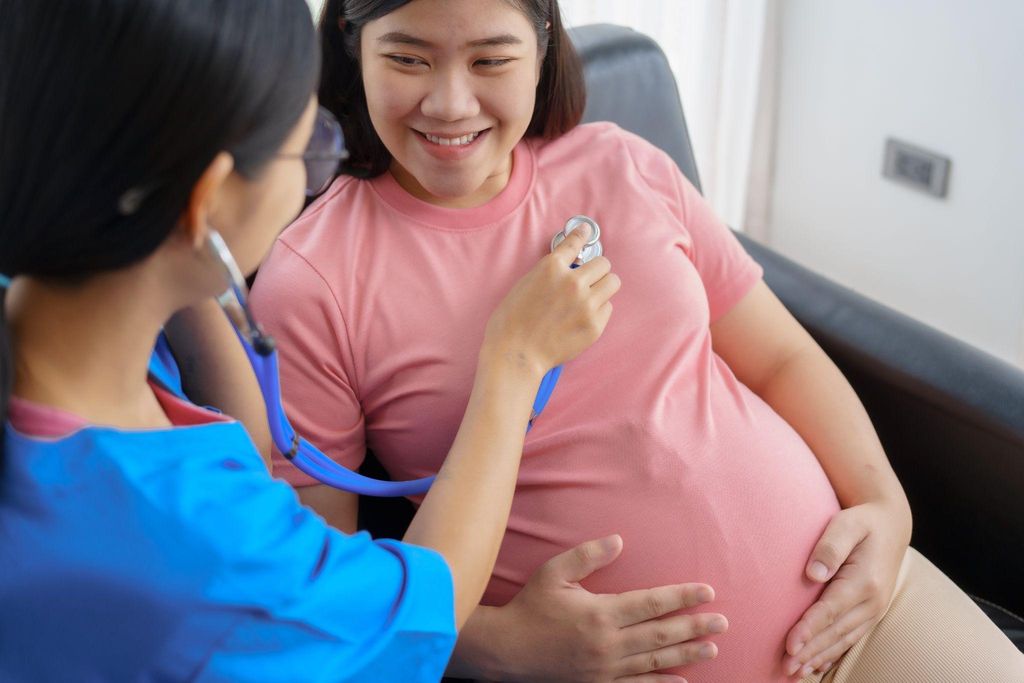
215,371
810,392
465,513
339,508
478,651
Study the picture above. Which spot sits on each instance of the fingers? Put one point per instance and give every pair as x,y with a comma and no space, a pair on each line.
840,597
606,287
580,562
668,657
595,274
601,294
638,606
594,269
659,633
569,248
841,536
824,660
841,634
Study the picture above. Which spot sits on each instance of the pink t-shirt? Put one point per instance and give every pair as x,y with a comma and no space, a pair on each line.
42,421
379,302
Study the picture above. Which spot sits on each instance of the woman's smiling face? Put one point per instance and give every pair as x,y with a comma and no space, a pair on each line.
450,88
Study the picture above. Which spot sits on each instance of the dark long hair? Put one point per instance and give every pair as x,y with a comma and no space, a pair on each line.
561,93
110,110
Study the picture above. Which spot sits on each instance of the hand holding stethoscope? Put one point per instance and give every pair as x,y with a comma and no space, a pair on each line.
591,250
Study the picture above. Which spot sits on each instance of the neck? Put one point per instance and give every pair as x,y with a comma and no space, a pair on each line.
491,188
85,348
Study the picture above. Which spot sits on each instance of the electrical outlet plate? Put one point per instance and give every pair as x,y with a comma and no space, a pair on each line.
916,167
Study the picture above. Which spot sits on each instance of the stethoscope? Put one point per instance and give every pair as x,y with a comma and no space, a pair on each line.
261,350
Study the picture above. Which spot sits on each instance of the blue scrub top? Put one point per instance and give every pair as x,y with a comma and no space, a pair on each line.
173,555
163,366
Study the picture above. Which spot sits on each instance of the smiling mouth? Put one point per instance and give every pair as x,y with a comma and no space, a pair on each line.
457,141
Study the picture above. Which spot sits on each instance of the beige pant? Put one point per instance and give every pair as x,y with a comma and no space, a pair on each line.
931,633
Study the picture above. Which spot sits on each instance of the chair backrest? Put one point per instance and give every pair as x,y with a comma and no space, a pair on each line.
629,82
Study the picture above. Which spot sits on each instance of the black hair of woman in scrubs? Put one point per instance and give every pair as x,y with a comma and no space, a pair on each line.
128,130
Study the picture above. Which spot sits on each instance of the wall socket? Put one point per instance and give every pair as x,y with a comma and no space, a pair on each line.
916,167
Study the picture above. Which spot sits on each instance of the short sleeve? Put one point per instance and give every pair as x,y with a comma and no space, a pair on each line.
297,307
725,268
317,604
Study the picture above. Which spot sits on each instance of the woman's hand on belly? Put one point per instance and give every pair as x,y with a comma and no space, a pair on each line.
554,629
859,556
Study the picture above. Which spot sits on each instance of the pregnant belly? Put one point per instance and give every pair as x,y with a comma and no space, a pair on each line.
740,511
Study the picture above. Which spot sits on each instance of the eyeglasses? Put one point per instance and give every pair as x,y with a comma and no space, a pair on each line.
326,149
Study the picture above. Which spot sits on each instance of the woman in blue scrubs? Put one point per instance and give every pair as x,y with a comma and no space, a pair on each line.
141,537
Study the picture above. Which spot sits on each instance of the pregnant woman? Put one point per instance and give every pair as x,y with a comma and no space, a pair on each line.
705,427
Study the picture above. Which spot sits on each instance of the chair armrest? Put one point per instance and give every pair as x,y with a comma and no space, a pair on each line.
951,419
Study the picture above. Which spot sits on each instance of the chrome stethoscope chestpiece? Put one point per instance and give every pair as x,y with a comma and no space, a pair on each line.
592,249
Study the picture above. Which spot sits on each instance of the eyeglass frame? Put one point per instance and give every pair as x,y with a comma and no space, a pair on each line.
336,150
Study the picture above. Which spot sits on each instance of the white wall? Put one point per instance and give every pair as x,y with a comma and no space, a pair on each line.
723,56
945,75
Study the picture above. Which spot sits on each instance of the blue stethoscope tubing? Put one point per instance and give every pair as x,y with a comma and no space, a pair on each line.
312,461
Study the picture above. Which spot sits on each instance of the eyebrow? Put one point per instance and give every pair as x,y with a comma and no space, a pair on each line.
406,39
503,39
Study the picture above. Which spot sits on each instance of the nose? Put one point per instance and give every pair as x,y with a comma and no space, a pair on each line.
451,97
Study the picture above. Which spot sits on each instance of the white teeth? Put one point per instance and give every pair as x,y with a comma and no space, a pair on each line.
451,142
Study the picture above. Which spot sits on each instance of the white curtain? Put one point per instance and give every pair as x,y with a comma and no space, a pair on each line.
723,53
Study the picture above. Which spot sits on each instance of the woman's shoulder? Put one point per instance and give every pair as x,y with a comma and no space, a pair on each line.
597,139
338,202
606,146
605,154
327,231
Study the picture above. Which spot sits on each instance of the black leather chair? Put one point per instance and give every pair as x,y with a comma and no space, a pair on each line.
951,418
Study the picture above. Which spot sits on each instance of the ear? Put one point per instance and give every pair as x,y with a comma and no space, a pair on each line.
205,195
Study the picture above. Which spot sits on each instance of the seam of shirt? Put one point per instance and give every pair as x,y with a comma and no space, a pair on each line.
328,197
348,336
684,214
